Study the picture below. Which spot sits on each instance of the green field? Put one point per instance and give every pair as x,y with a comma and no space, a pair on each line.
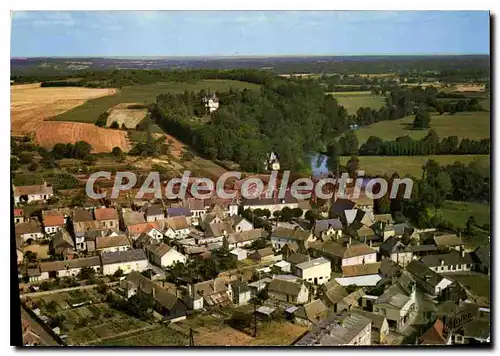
458,212
163,336
144,94
412,165
354,100
473,125
478,284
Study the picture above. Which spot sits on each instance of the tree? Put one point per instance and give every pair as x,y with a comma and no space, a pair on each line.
333,157
118,273
117,151
187,156
102,120
33,166
86,273
349,143
114,125
25,157
471,222
422,118
82,149
353,165
297,212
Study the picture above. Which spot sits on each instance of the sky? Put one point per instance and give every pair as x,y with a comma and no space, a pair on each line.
238,33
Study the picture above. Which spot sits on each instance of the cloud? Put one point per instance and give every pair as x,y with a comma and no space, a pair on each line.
43,18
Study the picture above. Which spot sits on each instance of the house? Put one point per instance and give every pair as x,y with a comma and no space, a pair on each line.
317,271
272,204
435,335
421,250
215,292
240,224
453,261
126,261
154,212
30,230
332,293
164,255
264,254
53,223
351,301
238,253
18,216
152,229
289,249
352,254
283,266
328,229
310,314
166,304
131,217
177,227
217,230
395,250
380,326
68,268
428,280
63,244
196,208
389,269
174,212
241,292
448,241
107,218
83,221
349,329
244,238
288,291
360,275
481,259
398,303
211,102
473,332
107,244
19,249
31,193
33,274
281,236
258,286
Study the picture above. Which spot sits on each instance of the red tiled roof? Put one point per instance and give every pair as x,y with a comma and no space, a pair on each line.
53,220
142,227
434,336
106,214
18,212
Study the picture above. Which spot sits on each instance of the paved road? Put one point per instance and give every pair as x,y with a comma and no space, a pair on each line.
45,338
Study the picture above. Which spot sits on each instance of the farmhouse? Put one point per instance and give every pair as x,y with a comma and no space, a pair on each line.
451,262
395,250
152,229
315,271
164,255
328,228
107,244
208,293
31,193
245,238
165,303
271,204
154,212
63,244
281,236
481,259
68,268
428,280
18,216
241,292
310,314
53,223
288,291
352,254
127,261
107,218
177,227
240,224
449,241
380,326
30,230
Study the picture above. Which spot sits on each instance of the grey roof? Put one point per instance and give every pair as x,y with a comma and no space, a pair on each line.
73,263
377,319
448,240
312,311
180,211
324,225
391,245
452,258
297,258
291,234
145,285
219,229
482,255
420,270
312,263
400,228
284,286
155,209
421,248
123,256
396,300
340,205
339,330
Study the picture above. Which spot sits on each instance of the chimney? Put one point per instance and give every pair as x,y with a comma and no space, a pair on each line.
463,252
371,243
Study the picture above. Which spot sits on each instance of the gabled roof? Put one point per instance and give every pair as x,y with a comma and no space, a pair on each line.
482,255
219,229
313,263
420,270
291,234
73,263
385,218
448,240
146,286
30,227
146,227
392,245
111,241
333,292
452,258
263,252
158,250
324,225
340,205
354,250
283,286
312,311
433,335
177,223
53,220
62,239
123,256
249,235
133,218
377,319
360,270
210,287
177,212
81,215
18,213
40,189
105,214
298,258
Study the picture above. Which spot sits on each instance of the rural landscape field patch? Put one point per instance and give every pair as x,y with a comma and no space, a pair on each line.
354,100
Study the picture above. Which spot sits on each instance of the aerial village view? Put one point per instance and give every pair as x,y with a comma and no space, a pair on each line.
185,190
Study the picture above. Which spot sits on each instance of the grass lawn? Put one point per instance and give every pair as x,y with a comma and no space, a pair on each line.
476,283
473,125
412,165
163,336
144,94
352,101
458,212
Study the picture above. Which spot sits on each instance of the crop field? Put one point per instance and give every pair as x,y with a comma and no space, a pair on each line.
412,165
473,125
161,336
458,212
354,100
89,323
124,115
31,105
144,94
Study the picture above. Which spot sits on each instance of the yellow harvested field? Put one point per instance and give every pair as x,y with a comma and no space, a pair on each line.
31,105
470,87
123,115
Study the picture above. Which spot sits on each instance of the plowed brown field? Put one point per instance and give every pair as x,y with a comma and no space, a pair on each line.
31,105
